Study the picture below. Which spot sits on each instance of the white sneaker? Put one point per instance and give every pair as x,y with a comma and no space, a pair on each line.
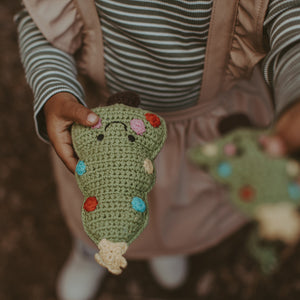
169,271
81,276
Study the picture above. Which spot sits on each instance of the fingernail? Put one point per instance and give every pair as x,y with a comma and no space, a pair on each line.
263,139
92,118
274,146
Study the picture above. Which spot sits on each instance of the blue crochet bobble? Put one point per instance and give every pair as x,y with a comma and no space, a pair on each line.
224,169
80,168
294,191
138,204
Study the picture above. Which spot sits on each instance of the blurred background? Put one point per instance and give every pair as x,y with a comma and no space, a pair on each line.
34,240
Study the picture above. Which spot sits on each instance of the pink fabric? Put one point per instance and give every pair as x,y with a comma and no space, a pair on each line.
252,47
59,21
74,27
235,44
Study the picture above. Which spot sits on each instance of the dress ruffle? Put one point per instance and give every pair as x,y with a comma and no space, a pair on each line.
248,46
59,21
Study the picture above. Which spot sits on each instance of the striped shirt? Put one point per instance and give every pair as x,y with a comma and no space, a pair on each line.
157,49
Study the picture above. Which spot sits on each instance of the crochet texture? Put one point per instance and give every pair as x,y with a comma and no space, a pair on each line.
265,188
115,172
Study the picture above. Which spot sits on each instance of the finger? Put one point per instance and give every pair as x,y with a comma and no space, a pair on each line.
62,144
78,113
274,145
290,137
287,128
66,154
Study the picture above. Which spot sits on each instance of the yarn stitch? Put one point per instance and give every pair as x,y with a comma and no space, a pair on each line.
137,126
110,255
80,168
116,173
138,204
148,166
153,119
98,125
90,204
264,188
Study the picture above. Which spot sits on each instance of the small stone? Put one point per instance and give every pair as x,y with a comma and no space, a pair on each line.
134,288
205,284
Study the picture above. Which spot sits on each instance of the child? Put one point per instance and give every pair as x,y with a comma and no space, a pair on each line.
192,62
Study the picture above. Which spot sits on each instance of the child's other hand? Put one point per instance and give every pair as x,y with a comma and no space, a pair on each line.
287,133
61,111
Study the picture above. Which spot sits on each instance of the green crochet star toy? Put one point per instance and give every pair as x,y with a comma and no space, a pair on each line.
266,189
115,172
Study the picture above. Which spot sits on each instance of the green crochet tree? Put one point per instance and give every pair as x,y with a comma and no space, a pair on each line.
264,188
115,172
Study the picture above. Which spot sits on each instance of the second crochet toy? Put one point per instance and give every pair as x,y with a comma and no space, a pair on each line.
265,189
115,172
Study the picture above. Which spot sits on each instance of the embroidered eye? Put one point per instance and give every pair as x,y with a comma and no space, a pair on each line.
100,137
131,138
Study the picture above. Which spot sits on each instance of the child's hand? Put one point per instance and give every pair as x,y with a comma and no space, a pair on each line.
287,133
288,128
61,111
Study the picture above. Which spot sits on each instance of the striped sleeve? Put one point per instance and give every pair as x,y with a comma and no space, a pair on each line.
48,70
282,65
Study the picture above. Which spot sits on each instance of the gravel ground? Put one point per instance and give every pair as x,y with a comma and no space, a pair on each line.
35,241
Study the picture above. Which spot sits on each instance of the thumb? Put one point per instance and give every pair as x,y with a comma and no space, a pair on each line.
288,127
274,145
80,114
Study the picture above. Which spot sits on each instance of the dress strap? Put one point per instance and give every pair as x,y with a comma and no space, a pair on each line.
218,46
235,44
91,60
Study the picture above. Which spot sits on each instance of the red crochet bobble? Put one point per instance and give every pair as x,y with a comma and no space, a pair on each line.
247,193
90,204
153,119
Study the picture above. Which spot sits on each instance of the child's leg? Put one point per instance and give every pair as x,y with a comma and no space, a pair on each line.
169,271
80,277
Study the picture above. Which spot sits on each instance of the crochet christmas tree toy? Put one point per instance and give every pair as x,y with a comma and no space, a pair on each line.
265,188
115,172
